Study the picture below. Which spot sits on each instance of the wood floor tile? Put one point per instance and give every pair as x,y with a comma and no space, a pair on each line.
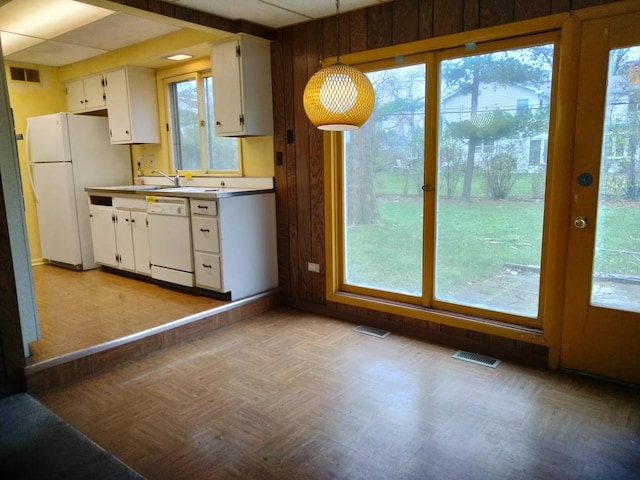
288,395
81,309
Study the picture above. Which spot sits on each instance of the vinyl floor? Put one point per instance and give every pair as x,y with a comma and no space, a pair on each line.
292,395
81,309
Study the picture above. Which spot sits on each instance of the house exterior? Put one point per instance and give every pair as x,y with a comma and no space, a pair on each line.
531,151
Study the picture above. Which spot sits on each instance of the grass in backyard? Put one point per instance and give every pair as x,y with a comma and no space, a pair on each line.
474,241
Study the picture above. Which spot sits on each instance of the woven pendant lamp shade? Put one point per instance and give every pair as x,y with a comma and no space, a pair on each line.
338,97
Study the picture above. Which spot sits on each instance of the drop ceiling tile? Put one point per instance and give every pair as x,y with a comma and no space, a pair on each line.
54,54
252,10
116,31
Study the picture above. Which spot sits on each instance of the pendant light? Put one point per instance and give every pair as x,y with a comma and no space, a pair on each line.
338,97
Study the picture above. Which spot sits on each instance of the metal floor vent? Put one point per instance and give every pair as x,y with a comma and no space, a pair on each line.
375,332
475,358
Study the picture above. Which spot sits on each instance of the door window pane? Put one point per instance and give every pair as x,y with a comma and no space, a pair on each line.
616,272
383,175
490,206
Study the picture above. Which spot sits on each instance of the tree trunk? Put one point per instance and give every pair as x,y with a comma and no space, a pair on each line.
471,153
362,207
632,188
468,171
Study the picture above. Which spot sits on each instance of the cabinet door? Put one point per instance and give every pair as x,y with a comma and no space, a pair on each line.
103,235
207,269
140,231
227,105
118,106
75,95
124,240
94,97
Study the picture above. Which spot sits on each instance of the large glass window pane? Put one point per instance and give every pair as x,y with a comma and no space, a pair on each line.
616,272
222,152
494,122
185,131
383,175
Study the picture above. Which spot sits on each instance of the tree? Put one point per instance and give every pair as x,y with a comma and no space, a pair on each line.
627,74
465,75
394,131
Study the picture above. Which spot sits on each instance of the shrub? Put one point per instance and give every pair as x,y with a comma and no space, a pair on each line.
500,173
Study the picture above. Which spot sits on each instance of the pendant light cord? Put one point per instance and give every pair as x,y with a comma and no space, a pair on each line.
338,29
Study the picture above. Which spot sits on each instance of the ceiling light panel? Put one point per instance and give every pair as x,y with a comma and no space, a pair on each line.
47,18
12,42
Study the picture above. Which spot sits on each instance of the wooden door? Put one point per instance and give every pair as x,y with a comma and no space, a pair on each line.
601,328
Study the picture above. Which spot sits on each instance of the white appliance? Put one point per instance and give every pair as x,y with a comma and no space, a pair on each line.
66,153
170,249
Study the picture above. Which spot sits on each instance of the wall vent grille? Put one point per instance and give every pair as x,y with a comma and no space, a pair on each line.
19,74
477,359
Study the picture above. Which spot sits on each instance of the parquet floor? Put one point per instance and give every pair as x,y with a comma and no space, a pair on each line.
291,395
82,309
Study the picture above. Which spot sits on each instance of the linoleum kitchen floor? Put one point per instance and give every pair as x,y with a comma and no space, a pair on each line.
291,395
78,310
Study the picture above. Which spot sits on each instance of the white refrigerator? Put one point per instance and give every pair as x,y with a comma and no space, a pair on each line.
65,154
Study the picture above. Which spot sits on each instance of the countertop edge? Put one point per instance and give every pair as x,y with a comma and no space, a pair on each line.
161,192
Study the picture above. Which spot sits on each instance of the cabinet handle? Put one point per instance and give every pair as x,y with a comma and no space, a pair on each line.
203,206
206,266
218,124
205,230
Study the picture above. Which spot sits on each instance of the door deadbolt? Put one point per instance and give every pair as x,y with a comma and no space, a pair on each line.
580,222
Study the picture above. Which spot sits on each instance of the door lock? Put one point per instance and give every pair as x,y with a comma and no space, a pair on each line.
580,222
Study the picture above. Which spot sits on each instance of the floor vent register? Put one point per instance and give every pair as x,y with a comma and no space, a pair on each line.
477,359
374,332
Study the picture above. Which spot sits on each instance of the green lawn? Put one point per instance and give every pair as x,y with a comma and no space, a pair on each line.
474,241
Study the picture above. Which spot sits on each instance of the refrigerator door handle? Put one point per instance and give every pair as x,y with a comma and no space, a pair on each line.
30,163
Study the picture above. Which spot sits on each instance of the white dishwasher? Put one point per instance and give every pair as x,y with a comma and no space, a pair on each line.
170,249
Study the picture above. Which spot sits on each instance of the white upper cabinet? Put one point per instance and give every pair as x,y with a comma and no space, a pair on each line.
132,105
243,103
86,94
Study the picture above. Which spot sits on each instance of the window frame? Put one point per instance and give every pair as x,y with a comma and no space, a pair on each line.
554,27
199,75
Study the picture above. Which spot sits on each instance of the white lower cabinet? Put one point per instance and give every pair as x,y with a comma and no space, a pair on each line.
103,235
132,241
140,231
234,244
120,238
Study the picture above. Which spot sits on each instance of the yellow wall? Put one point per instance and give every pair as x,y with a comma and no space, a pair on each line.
28,100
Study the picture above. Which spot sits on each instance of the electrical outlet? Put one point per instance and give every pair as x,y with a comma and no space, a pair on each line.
313,267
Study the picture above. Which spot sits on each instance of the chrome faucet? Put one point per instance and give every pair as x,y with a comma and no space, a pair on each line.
175,180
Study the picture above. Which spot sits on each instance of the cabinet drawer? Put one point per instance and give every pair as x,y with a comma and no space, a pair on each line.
204,207
207,267
205,234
